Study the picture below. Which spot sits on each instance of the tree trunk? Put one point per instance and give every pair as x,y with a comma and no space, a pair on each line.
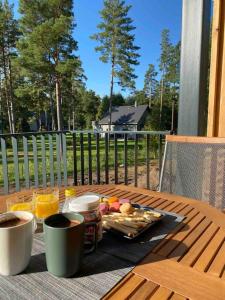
161,99
1,106
52,112
8,110
172,116
6,88
150,94
111,95
46,120
69,122
12,117
11,97
58,104
73,120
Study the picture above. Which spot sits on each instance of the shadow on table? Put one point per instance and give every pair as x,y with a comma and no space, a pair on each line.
37,264
110,263
115,253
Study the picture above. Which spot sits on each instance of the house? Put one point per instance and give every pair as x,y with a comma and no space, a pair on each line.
125,118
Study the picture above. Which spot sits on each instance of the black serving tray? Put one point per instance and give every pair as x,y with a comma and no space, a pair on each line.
121,234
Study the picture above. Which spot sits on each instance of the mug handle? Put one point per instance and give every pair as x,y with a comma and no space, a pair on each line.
94,247
34,224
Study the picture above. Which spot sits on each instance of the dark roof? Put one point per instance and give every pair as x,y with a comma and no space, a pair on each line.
125,115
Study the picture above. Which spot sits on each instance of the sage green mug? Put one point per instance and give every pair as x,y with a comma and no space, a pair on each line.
64,243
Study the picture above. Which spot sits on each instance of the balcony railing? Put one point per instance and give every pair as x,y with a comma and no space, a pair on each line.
80,157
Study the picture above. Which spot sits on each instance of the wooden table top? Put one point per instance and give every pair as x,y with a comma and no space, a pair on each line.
188,264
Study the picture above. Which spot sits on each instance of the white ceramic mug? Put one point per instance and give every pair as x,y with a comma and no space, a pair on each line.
16,244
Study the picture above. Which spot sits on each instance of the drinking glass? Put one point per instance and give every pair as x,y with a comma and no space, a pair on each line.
20,203
46,203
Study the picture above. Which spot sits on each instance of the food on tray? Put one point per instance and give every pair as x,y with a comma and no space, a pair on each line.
115,206
121,201
127,230
103,200
112,199
126,208
131,222
104,208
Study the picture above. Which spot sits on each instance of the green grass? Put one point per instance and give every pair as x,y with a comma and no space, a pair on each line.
120,150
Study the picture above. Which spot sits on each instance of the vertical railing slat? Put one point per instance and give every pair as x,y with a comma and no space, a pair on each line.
35,157
160,155
26,162
5,165
125,159
64,159
82,157
97,159
115,159
51,161
74,159
106,158
89,160
16,163
58,159
43,160
147,161
136,160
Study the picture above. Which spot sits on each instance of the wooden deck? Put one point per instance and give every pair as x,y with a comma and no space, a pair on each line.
188,264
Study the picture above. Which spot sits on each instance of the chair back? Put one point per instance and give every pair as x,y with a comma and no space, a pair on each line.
194,167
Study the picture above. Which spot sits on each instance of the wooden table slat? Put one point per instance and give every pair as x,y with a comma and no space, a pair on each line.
209,253
177,229
129,287
164,205
172,244
144,291
192,255
183,247
177,297
148,200
173,206
154,202
161,294
137,197
218,263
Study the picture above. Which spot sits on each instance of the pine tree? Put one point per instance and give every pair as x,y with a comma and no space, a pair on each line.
150,83
116,45
173,69
165,92
166,48
47,48
173,77
8,36
91,104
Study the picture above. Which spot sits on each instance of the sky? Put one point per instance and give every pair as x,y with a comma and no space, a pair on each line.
150,18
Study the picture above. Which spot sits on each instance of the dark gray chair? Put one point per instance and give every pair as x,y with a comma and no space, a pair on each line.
194,167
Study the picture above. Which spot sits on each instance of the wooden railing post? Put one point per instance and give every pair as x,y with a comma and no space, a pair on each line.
216,105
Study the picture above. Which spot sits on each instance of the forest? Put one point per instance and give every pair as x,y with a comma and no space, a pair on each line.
42,80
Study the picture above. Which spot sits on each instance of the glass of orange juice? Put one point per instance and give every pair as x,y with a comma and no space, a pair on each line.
23,203
46,203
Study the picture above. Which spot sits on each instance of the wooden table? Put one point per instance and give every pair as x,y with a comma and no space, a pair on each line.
188,264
